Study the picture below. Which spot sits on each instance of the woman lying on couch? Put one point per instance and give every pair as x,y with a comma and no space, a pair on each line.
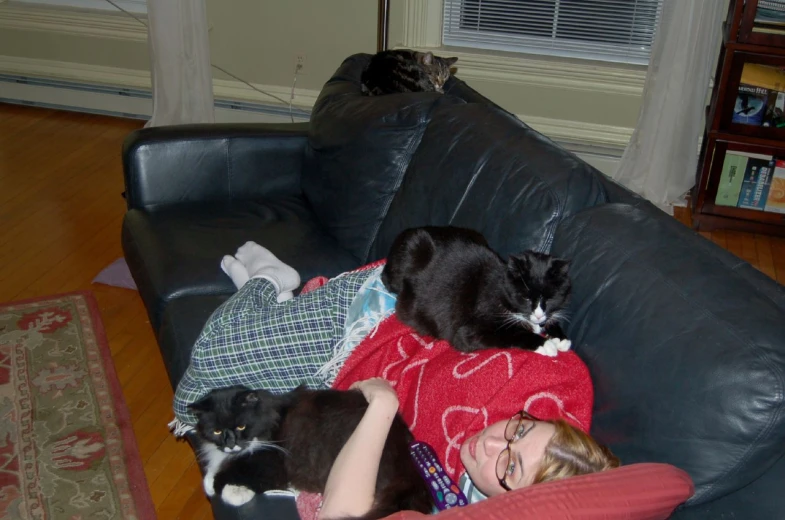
342,333
509,454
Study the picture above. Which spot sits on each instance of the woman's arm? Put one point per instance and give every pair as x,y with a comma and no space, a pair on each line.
351,486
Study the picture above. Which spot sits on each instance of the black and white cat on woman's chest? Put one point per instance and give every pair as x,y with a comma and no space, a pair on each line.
451,285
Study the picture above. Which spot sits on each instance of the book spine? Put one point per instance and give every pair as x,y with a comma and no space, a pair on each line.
763,185
775,200
750,184
733,168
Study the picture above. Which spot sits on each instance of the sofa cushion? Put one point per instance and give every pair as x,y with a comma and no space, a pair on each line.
358,149
176,251
683,372
482,168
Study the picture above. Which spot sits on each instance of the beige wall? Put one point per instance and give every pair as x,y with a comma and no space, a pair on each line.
256,40
71,48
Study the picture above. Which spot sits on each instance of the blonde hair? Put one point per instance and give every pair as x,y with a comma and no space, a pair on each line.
571,452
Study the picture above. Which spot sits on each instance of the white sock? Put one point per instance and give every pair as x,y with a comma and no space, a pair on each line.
261,263
235,270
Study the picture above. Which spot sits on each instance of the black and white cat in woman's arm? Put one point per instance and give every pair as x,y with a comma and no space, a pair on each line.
451,285
255,442
234,428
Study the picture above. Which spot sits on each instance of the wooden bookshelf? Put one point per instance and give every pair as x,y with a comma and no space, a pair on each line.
745,126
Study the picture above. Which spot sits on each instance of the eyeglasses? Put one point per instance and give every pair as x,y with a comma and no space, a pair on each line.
513,432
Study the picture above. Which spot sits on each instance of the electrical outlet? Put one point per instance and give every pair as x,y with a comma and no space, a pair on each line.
300,62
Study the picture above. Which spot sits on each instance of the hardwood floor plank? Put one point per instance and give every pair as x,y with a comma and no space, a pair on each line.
181,493
719,238
197,507
735,243
765,257
778,258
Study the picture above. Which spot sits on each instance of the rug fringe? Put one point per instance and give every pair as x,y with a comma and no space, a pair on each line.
179,428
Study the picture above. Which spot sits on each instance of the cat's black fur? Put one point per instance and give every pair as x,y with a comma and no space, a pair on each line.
451,285
402,70
298,436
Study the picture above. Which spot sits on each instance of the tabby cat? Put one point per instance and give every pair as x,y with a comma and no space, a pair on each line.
451,285
395,71
254,441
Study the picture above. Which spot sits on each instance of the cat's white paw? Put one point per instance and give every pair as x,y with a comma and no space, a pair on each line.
236,495
563,345
208,482
548,348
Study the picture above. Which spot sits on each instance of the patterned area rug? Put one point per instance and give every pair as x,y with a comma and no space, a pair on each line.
67,449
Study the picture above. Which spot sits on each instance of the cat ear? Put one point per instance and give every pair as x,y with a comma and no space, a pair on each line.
561,265
520,261
450,61
199,407
426,58
250,398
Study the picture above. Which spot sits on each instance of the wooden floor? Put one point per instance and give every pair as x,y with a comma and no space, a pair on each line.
765,253
60,214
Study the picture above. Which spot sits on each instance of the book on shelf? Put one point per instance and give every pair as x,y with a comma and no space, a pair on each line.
770,11
775,110
731,178
745,180
751,105
775,201
756,183
763,76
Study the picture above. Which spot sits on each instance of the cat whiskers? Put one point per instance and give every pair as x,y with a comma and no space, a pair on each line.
558,317
261,445
511,319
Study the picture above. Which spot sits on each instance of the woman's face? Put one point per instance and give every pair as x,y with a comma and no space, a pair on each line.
480,452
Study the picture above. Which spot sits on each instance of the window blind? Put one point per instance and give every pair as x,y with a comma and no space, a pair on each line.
609,30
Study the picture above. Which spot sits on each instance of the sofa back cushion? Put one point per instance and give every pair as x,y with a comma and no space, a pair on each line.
480,167
358,150
687,354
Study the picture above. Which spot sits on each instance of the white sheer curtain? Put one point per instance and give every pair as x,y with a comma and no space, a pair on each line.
179,62
660,160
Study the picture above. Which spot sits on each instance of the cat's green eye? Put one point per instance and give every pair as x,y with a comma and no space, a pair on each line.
217,432
240,428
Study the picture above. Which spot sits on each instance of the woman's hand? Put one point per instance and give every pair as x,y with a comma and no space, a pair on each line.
377,388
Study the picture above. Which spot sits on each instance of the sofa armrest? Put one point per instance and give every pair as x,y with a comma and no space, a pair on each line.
192,163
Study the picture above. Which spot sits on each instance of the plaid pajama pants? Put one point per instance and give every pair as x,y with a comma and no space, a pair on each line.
253,340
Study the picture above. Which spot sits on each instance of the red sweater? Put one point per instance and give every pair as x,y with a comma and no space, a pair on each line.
447,396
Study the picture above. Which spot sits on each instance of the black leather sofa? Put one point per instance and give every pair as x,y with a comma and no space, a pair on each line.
685,342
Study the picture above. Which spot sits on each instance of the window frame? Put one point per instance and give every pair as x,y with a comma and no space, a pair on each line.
539,45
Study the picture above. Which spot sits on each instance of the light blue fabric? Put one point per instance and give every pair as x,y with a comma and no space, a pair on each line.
473,494
372,303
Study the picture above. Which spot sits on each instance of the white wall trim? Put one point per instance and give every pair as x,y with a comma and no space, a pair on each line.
611,138
97,74
72,22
